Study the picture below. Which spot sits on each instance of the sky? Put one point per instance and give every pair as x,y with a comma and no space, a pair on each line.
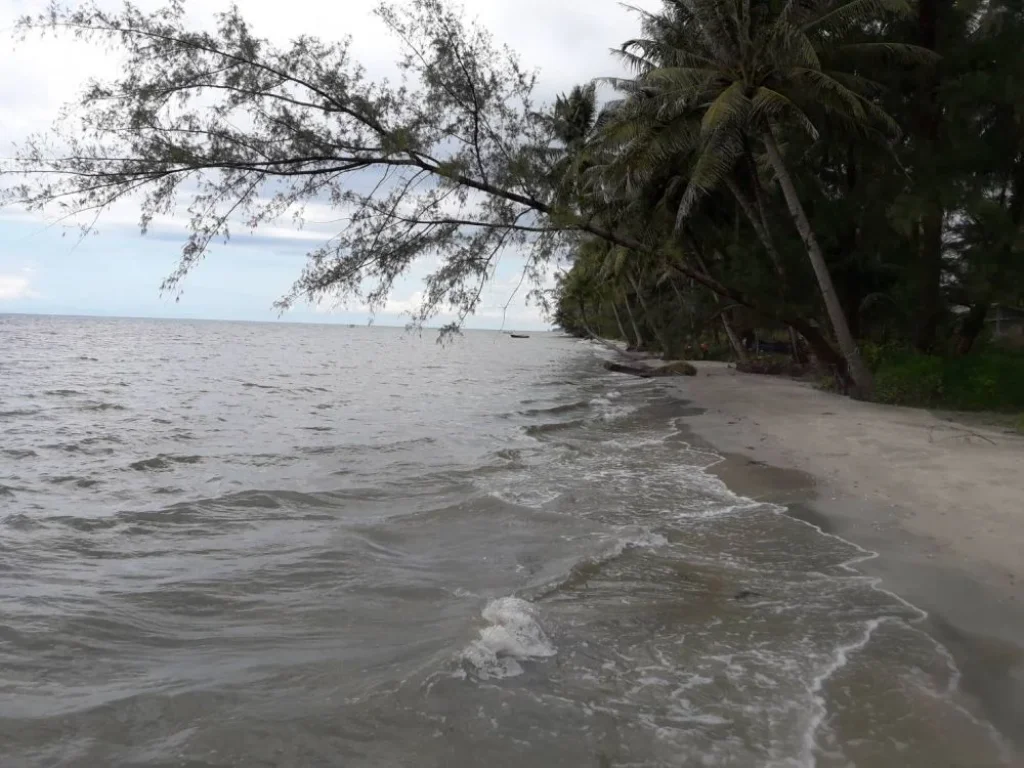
48,268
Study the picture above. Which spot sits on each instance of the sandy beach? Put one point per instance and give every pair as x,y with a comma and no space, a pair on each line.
940,500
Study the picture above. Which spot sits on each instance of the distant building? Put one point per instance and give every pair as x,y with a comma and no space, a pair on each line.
1006,322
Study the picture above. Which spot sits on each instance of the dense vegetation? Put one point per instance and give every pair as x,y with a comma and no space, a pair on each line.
858,167
837,176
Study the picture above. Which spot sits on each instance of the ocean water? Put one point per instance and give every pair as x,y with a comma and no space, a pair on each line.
239,544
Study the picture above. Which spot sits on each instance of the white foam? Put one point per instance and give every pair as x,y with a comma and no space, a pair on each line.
513,635
645,540
532,498
839,660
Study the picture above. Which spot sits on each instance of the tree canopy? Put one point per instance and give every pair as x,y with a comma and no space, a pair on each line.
842,171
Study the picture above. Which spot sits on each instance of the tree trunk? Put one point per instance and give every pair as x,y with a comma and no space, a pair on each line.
794,344
929,278
730,332
863,385
618,322
759,227
932,16
972,326
734,340
759,222
632,322
647,314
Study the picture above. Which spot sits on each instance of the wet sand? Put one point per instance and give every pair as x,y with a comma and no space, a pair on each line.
940,501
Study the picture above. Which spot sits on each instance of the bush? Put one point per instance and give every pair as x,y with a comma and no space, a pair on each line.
914,380
988,380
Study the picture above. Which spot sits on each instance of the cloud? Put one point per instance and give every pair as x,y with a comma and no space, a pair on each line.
567,41
16,286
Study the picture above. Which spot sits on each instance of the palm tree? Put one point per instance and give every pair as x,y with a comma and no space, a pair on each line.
723,72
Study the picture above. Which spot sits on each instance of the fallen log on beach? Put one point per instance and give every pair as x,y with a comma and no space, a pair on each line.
677,368
632,370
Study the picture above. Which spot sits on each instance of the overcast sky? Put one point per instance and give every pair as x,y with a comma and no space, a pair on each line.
46,269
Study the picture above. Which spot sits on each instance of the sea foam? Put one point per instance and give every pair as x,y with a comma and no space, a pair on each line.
513,634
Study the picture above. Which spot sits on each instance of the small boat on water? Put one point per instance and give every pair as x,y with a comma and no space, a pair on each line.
519,336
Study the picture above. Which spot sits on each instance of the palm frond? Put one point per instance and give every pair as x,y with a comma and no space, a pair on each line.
682,79
730,107
858,83
830,94
899,53
850,13
716,160
769,104
712,27
638,63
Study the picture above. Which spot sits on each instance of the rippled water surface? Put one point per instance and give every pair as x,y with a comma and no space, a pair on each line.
279,545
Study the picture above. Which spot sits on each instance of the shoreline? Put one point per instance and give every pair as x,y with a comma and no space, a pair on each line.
933,498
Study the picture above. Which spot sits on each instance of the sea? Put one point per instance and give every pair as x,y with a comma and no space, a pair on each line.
241,544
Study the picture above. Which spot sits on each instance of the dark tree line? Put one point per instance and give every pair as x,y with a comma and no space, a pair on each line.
854,165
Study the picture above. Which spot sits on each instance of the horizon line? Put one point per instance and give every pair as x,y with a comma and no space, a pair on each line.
279,321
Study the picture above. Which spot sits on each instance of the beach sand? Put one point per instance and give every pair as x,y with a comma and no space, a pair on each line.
941,502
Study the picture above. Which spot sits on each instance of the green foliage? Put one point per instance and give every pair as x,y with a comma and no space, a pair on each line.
988,380
664,203
914,380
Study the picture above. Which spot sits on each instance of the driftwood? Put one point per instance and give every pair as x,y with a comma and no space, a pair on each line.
632,370
678,368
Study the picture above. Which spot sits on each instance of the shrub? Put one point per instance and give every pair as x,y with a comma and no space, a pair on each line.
914,380
988,380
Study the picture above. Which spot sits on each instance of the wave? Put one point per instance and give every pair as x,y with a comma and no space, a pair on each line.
14,453
62,392
103,407
18,521
20,412
558,426
81,482
163,461
395,447
84,446
589,567
513,635
554,410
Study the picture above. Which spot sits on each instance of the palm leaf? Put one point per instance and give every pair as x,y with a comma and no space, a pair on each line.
832,95
682,79
769,104
901,53
731,106
850,13
716,161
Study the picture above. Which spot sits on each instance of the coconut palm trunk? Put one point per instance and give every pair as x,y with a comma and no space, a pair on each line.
618,322
759,222
734,339
858,372
730,332
632,321
662,342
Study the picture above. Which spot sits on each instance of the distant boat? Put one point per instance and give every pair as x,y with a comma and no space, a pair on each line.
519,336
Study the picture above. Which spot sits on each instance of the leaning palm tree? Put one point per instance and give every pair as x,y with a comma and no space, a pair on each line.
728,72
